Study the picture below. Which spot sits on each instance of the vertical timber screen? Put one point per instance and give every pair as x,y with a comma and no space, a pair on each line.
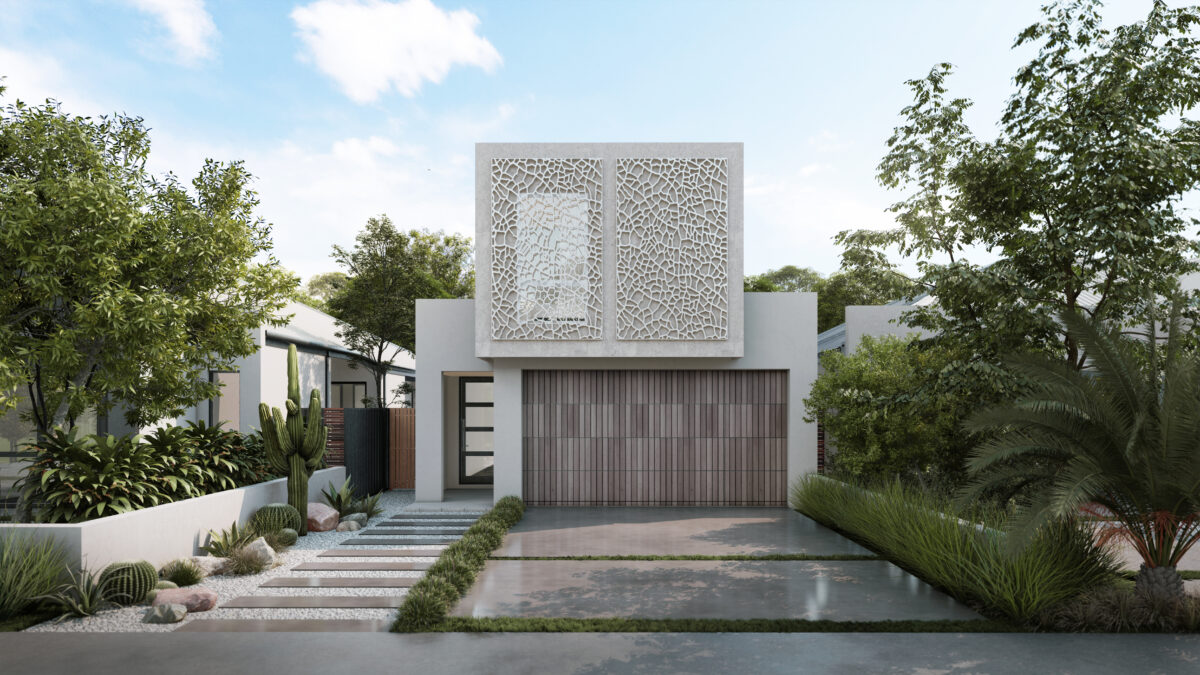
402,448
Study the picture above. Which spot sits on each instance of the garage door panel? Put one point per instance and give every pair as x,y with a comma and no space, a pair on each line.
655,437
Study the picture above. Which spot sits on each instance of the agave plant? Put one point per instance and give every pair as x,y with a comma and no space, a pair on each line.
1120,439
82,595
225,543
341,499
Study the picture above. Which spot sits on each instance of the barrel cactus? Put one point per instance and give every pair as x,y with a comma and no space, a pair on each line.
295,447
128,582
287,536
275,517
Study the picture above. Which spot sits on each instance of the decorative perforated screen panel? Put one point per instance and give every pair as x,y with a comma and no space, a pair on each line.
672,249
547,248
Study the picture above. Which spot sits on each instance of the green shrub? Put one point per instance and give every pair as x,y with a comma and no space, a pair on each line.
282,539
182,572
242,562
81,595
225,542
275,517
128,582
75,478
368,505
29,568
923,534
451,576
1120,610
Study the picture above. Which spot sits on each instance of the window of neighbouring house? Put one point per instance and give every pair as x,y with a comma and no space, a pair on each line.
348,395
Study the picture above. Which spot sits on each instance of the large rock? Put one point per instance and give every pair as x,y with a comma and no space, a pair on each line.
210,565
321,518
194,598
261,551
360,518
165,613
348,526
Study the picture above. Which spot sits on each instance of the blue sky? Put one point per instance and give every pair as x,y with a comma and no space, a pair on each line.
348,108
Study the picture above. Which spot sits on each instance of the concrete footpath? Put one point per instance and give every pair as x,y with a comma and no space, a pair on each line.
263,654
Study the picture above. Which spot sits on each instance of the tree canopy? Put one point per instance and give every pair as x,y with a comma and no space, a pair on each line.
119,287
386,272
862,284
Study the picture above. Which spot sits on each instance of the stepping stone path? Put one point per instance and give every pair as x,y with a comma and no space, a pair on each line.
401,533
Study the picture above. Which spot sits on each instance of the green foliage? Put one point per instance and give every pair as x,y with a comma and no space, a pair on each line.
388,270
121,287
1078,194
962,552
295,447
861,281
74,479
275,517
341,499
320,288
182,572
128,582
368,505
1118,610
1124,434
29,568
451,576
224,543
876,406
242,562
81,595
233,460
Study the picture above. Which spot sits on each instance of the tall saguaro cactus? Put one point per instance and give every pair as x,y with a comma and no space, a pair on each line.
295,447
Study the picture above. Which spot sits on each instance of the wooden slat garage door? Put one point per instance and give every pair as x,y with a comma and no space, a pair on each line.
655,437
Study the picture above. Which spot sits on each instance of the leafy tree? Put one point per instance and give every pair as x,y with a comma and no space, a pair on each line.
864,284
386,272
1124,434
118,287
758,284
884,419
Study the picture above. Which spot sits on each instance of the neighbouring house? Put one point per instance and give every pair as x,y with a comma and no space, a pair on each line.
872,320
610,356
325,363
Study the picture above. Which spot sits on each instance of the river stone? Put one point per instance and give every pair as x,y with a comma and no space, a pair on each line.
165,613
348,526
360,518
194,598
210,565
261,551
321,518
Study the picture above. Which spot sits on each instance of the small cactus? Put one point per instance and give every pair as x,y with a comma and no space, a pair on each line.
128,582
287,536
275,517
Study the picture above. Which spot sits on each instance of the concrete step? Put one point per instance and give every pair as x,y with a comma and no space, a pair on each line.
382,553
285,626
313,602
379,531
415,541
323,566
340,582
434,516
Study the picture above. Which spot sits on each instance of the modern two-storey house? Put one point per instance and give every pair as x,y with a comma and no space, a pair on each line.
610,356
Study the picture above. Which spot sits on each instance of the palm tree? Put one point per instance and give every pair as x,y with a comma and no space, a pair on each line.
1122,435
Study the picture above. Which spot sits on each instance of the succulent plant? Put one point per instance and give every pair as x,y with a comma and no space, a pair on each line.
128,582
295,447
275,517
287,536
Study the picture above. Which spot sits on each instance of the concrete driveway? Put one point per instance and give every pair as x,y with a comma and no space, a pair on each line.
844,590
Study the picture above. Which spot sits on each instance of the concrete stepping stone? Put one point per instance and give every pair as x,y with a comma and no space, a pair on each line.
357,566
382,541
340,582
314,602
434,516
286,626
382,553
383,531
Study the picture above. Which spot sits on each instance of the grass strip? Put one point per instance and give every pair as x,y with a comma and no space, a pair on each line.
460,624
772,556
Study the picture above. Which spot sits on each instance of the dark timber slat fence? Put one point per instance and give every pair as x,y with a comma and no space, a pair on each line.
365,437
655,437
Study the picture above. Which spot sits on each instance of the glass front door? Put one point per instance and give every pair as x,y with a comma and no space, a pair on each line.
476,428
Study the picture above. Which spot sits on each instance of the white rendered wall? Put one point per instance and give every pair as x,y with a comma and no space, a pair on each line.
780,335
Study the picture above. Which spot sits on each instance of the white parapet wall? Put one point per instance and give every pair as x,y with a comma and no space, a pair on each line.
163,533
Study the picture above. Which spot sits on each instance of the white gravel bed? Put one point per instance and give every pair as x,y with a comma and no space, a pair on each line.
299,613
129,619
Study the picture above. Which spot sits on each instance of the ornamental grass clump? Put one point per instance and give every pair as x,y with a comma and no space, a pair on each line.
963,553
451,576
29,568
182,572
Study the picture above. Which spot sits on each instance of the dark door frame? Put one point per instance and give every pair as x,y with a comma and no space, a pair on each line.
463,478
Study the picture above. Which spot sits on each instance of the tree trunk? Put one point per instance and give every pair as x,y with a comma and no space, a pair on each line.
297,489
1159,583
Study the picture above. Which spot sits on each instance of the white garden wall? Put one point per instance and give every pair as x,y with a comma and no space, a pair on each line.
163,533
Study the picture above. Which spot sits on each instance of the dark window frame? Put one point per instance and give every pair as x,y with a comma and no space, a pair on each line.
334,383
463,478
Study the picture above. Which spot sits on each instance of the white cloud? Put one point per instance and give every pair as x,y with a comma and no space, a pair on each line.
370,47
33,78
190,26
